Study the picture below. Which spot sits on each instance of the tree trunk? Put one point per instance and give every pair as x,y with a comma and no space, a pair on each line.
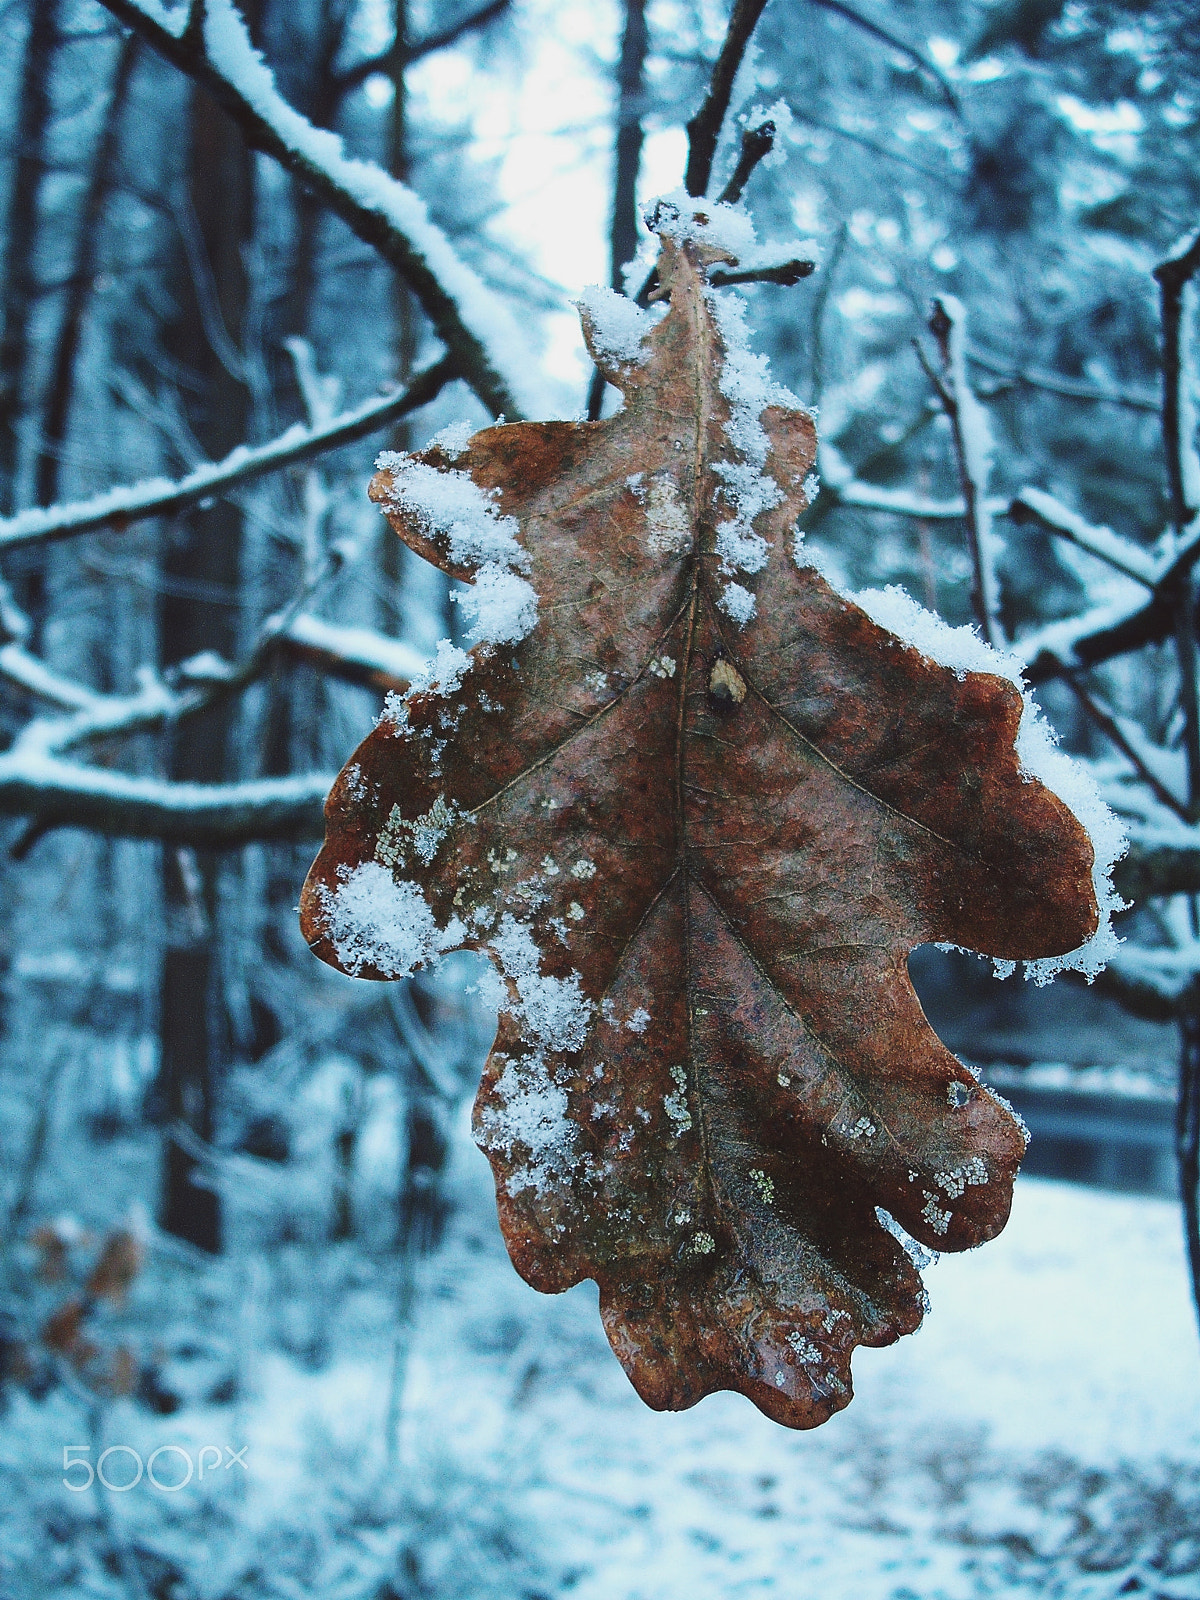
61,391
198,611
20,279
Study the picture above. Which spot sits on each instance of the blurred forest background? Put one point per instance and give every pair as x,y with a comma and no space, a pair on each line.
239,1200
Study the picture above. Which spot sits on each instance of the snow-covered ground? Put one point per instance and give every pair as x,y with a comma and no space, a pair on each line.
1039,1436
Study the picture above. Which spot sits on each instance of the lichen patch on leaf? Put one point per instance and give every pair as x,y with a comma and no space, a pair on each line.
698,808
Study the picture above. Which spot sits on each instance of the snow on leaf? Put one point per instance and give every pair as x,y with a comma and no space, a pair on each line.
712,1077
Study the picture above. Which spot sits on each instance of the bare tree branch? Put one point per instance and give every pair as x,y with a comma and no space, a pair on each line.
921,62
1178,425
355,655
785,272
704,129
215,51
757,143
627,160
968,425
1057,383
159,497
1173,277
1158,866
1112,731
385,61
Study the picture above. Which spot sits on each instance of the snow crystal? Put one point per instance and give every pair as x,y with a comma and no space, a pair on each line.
1012,1111
737,603
584,869
763,1184
500,606
920,1256
747,385
535,1115
745,378
618,325
557,1015
373,920
954,1182
555,1010
663,666
805,1349
450,503
423,836
639,1021
812,488
710,223
936,1216
963,651
443,675
453,439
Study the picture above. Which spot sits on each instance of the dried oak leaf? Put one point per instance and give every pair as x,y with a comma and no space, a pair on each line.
699,845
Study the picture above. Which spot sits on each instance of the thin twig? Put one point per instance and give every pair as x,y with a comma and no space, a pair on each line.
385,61
119,508
1111,729
967,423
921,62
757,143
35,1149
627,160
785,272
704,129
1058,383
1158,867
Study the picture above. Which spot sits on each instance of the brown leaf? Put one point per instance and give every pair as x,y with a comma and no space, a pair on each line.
700,854
63,1332
118,1264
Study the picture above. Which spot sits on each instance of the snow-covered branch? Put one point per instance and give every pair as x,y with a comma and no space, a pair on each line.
839,481
22,667
161,497
61,794
210,43
356,655
1034,505
1115,628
